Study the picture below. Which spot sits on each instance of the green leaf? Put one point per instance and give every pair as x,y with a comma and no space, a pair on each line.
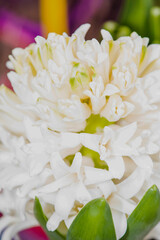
42,219
94,222
145,216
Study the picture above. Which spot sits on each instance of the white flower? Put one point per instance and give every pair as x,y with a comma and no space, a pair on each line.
60,84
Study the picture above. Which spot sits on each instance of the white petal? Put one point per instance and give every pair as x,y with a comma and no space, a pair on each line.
90,141
110,90
18,180
106,35
107,188
82,30
96,175
37,163
70,140
65,201
5,221
143,161
58,166
131,185
76,164
124,134
58,184
120,204
53,222
120,223
129,107
152,54
33,132
82,194
116,167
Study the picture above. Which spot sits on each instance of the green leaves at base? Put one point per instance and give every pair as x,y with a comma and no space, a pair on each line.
42,219
94,222
145,216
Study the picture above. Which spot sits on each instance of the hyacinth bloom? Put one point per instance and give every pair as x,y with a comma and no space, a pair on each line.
82,123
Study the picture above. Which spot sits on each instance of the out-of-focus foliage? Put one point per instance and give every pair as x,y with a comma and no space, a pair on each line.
142,16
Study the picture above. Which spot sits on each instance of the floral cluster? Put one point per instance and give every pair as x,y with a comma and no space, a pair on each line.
83,122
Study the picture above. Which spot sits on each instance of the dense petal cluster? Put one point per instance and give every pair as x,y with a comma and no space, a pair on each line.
47,147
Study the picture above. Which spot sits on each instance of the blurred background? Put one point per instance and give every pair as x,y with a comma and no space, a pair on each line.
22,20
